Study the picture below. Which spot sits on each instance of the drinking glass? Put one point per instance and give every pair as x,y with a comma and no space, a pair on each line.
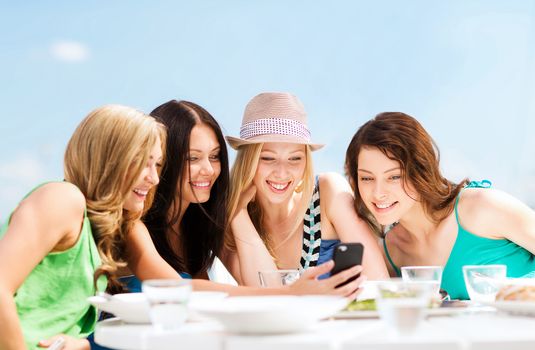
168,301
402,304
278,278
431,275
483,281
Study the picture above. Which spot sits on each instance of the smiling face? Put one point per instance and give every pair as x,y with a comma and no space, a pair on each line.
204,165
382,188
147,179
280,170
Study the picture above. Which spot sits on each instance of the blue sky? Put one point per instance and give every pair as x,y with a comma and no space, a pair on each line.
465,69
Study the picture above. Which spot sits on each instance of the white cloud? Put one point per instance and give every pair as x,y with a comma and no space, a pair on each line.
18,176
69,51
23,168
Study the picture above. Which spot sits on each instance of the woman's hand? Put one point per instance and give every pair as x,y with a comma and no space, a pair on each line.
64,342
309,283
246,197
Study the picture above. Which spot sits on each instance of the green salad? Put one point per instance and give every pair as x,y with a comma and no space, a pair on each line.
361,305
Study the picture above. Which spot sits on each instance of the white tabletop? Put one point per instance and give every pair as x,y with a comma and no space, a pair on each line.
486,331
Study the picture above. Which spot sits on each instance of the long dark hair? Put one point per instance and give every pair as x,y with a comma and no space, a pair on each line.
203,225
402,138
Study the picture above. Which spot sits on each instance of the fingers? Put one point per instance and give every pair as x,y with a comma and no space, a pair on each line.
56,342
351,289
343,276
315,272
248,195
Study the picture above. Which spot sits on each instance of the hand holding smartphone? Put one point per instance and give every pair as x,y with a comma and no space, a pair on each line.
347,255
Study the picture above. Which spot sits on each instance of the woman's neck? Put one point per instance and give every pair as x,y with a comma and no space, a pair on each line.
417,223
280,212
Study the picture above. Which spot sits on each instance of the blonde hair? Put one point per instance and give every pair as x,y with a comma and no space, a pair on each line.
241,177
104,158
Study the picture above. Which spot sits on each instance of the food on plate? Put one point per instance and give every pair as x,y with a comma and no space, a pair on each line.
362,305
514,292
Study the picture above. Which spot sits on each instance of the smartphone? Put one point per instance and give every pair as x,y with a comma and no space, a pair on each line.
347,255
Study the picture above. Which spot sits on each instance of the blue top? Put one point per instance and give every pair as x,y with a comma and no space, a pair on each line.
315,250
134,284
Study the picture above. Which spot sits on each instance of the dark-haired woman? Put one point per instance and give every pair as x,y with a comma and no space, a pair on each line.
184,229
393,167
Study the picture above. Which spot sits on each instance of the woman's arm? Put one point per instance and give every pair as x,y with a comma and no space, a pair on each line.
142,257
146,263
337,206
48,220
252,253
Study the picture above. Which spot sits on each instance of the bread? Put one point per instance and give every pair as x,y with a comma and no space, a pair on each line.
516,292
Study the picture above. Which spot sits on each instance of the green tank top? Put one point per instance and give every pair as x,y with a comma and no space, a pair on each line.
470,249
53,298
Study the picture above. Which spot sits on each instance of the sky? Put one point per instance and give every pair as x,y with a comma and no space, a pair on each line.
464,69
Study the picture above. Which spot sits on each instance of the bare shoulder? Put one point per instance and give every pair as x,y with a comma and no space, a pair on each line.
61,199
485,211
139,229
332,182
484,201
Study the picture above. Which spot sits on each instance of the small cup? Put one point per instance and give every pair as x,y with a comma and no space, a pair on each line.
168,301
431,275
278,278
483,281
402,304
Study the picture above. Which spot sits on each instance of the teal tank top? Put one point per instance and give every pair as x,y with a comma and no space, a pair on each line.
470,249
53,297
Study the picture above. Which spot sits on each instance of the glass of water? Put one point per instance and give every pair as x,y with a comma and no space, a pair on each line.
278,278
402,304
168,301
431,275
483,281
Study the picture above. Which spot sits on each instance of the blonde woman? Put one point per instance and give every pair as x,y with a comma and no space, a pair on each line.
63,236
276,217
183,232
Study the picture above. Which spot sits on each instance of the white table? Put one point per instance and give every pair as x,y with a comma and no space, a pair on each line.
486,331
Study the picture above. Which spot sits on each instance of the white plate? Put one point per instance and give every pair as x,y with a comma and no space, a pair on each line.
272,314
438,311
523,308
129,307
134,307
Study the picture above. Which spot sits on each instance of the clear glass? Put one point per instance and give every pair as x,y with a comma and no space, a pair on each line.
402,304
278,278
168,300
424,274
483,281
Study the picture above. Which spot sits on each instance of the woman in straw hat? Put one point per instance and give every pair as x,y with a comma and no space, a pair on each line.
277,221
64,235
393,166
183,231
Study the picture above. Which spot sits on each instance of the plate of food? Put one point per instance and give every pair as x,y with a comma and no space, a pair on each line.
368,309
516,296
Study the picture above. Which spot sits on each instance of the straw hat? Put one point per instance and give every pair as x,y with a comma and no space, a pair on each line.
274,117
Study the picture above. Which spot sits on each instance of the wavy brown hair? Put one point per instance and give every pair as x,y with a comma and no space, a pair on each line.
104,158
402,138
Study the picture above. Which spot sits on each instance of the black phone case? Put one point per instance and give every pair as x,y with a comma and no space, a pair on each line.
347,255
